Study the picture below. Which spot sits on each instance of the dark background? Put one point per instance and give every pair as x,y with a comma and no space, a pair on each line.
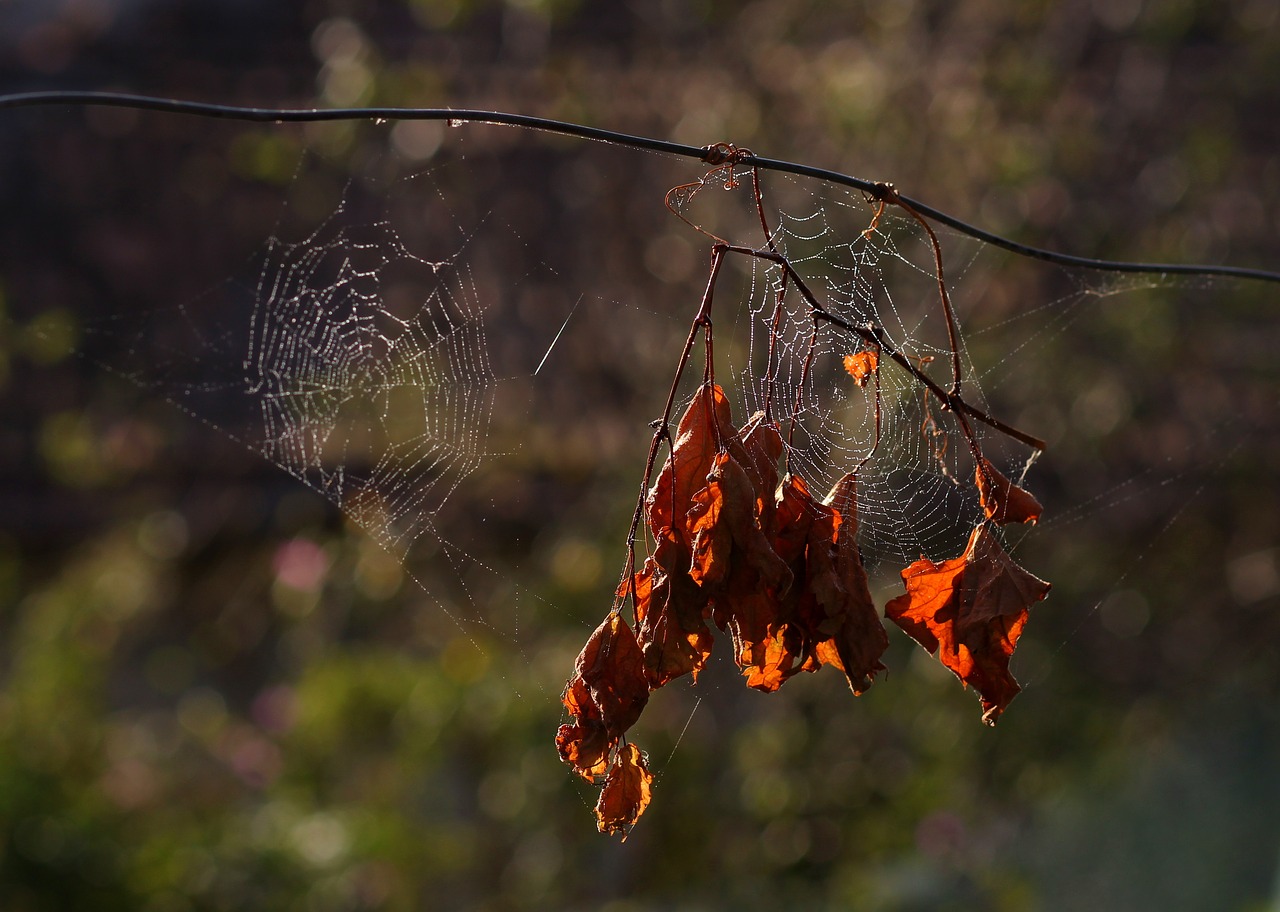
218,692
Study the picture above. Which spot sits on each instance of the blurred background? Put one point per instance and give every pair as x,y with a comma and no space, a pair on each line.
218,692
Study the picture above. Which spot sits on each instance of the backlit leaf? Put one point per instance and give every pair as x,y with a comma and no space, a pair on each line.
861,365
626,793
970,611
670,624
1002,500
606,695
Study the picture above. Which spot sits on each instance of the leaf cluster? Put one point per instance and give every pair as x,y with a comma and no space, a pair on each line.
749,549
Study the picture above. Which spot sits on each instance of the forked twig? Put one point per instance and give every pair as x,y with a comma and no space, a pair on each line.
873,334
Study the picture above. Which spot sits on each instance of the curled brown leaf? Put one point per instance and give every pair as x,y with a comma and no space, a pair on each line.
606,695
671,626
1003,501
861,366
627,790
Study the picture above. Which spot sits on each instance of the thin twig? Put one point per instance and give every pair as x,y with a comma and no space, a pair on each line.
662,429
953,335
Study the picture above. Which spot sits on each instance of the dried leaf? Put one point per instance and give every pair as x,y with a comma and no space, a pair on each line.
750,605
849,635
725,527
585,747
757,620
861,365
796,512
670,624
1002,500
970,611
762,448
704,430
606,695
626,793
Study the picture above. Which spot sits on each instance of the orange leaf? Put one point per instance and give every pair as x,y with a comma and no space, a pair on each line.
585,747
704,429
626,793
1002,500
750,605
970,611
724,523
849,635
762,448
753,614
606,695
861,366
797,510
670,626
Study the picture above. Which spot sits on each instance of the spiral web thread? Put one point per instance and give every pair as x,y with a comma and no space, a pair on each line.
384,411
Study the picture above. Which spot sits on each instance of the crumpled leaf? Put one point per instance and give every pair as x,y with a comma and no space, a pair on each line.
764,647
797,511
1002,500
861,366
670,624
752,607
726,530
848,634
605,696
970,612
626,793
704,429
761,449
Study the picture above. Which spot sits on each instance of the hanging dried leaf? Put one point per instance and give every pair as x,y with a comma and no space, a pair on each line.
757,619
1002,500
605,696
762,448
796,511
848,633
626,793
704,429
861,366
970,611
726,531
670,624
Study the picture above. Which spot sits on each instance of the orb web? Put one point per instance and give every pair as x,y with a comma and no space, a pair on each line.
381,402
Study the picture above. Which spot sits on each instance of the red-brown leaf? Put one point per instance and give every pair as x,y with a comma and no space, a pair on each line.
756,618
1002,500
705,428
796,511
670,624
725,527
585,747
970,611
762,448
849,634
626,793
606,695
